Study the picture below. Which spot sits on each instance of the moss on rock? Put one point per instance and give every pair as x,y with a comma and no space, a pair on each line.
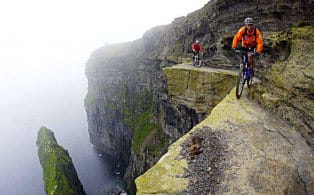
288,86
166,177
59,173
198,88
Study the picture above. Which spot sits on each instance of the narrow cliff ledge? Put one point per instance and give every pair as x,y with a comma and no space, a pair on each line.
199,88
60,176
254,153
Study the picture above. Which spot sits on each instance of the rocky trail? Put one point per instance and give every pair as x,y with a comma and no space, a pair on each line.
239,149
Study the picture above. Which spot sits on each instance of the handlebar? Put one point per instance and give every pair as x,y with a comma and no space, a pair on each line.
246,51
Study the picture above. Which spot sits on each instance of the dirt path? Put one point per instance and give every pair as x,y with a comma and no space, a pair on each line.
263,153
206,69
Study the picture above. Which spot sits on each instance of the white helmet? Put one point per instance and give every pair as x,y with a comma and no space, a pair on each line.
248,21
197,41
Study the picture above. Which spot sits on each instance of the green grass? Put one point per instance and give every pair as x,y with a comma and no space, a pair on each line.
143,129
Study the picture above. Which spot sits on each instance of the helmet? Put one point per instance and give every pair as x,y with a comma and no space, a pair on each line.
196,41
248,21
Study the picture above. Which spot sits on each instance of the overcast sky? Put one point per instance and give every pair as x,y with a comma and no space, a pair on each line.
55,33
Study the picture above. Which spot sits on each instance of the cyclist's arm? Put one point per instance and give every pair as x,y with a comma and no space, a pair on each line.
193,47
259,41
237,37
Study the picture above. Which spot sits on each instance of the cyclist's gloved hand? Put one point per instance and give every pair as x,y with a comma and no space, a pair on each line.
255,53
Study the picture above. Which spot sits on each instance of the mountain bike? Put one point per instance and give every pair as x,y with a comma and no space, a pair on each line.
246,73
197,59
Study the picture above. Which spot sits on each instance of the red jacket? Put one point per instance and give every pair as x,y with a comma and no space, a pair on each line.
197,47
253,39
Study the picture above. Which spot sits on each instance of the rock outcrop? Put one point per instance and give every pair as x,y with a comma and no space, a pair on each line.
251,153
60,176
199,88
132,115
288,87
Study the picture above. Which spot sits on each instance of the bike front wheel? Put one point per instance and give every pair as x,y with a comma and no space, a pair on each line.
196,61
240,83
198,64
250,80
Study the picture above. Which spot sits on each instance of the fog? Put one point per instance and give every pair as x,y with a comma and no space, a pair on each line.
44,46
53,99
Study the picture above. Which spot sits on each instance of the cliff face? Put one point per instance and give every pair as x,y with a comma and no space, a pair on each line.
215,24
128,108
60,176
133,115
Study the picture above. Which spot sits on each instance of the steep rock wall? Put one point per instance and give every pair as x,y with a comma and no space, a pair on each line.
288,86
215,24
129,112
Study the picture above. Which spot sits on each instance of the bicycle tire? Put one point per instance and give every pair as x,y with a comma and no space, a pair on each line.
198,64
250,80
196,61
240,83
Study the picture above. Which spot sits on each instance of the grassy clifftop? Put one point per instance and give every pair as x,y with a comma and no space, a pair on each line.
60,177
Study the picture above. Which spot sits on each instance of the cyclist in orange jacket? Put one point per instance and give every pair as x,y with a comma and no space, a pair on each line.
251,39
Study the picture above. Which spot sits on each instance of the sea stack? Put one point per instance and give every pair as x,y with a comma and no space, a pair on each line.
59,174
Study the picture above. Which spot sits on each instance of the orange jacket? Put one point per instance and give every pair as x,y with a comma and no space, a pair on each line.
249,40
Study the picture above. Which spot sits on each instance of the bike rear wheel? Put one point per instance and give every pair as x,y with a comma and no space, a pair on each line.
240,83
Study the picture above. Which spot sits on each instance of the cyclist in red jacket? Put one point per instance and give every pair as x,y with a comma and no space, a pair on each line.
196,48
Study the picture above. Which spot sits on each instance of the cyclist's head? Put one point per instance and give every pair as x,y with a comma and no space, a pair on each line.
197,41
249,23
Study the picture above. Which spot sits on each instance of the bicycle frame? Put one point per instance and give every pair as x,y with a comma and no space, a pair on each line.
245,73
245,61
197,59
